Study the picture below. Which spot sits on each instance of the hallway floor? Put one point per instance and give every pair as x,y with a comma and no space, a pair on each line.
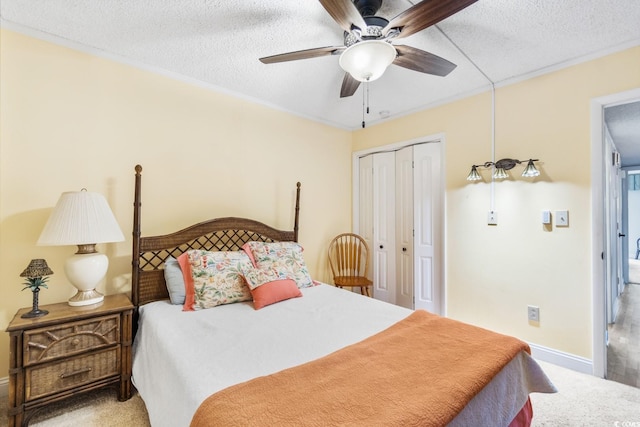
623,351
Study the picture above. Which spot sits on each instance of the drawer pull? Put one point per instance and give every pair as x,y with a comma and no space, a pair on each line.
78,372
75,342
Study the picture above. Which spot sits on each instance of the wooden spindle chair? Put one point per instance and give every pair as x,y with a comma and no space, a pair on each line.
349,261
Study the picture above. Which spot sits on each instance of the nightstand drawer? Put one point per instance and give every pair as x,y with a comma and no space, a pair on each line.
71,338
54,377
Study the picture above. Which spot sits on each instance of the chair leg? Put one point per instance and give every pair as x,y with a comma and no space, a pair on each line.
637,253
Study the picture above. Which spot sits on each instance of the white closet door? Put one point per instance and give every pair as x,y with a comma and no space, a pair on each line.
404,227
428,223
383,227
365,197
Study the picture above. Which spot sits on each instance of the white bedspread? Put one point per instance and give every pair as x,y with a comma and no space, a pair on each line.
180,358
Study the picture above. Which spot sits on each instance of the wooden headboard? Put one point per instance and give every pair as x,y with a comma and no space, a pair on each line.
220,234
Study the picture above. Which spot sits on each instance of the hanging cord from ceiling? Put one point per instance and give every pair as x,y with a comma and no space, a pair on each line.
493,112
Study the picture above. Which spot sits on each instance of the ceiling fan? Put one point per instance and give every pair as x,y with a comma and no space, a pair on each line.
367,50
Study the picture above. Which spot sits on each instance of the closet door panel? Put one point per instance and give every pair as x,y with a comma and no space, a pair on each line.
428,226
383,226
365,211
404,227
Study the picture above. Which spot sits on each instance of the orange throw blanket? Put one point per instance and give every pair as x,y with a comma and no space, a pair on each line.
421,371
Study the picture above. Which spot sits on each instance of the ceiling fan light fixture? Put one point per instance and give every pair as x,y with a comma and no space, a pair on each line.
367,60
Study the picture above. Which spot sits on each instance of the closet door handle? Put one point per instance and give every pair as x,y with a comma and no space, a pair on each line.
404,249
381,247
622,235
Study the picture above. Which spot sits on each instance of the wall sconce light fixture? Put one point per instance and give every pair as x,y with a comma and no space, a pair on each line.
501,168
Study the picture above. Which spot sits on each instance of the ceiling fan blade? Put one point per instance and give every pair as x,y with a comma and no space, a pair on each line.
425,14
349,86
345,13
423,62
302,54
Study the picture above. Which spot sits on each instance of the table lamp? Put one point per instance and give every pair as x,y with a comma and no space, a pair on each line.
35,274
82,218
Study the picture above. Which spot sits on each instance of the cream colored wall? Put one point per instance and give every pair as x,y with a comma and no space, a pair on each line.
71,120
493,273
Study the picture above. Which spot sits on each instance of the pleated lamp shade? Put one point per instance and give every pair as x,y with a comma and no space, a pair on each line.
80,218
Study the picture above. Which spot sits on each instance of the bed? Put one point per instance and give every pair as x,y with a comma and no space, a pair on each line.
317,356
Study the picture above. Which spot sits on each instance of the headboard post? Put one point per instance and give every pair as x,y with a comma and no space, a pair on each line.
135,262
297,214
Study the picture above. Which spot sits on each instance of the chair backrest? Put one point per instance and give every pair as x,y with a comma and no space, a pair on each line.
349,255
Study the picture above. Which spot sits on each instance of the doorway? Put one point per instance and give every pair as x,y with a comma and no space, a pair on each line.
608,232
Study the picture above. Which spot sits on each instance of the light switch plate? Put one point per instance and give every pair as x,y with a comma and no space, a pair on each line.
562,218
546,217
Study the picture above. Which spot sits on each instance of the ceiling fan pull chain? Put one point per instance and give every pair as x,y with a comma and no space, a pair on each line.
368,97
363,96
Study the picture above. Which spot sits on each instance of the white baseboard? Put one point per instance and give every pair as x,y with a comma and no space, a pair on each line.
566,360
4,387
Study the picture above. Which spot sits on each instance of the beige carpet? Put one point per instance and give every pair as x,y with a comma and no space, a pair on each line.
585,400
582,400
97,409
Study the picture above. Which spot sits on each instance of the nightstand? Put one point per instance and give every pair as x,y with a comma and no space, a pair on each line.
69,351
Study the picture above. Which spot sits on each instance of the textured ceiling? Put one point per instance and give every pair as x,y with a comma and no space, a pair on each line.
623,122
217,43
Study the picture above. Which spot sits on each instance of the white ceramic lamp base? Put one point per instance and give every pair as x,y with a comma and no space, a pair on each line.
85,271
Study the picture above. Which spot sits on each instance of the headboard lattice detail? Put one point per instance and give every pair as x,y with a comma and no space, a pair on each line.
224,240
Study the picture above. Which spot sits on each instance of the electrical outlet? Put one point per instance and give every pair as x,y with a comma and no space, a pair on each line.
492,218
533,313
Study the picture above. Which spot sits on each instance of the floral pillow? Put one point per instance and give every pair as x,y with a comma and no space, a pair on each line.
214,278
283,257
269,286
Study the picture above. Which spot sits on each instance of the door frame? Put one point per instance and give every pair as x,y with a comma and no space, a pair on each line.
599,255
613,221
355,159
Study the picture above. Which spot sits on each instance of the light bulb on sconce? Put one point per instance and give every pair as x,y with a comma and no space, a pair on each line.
474,175
530,171
500,173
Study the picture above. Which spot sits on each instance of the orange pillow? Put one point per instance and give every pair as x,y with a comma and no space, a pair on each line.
276,291
268,286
